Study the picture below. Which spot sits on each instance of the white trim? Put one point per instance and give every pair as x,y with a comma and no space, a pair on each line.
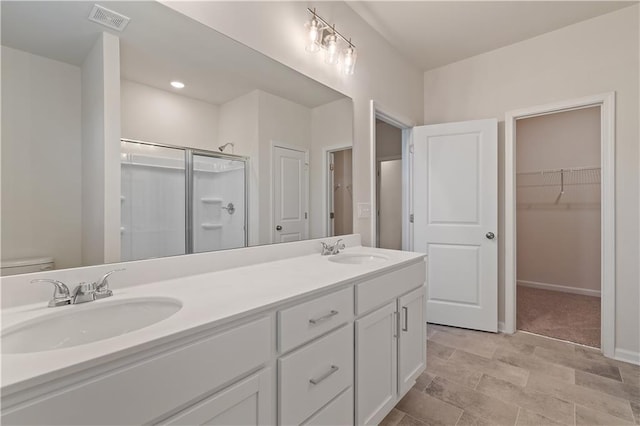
559,288
627,356
325,181
297,148
606,101
501,327
377,110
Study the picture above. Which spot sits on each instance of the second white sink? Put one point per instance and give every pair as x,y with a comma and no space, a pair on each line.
82,324
358,258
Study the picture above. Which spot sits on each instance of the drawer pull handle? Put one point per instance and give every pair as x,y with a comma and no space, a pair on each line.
406,319
323,318
317,381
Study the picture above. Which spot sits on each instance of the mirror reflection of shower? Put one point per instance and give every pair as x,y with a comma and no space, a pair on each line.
221,148
178,201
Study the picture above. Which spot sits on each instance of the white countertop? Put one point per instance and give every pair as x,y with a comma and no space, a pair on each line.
208,300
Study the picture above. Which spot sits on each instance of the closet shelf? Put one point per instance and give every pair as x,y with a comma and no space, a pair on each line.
559,177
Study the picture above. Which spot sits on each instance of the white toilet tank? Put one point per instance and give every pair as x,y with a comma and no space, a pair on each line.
26,266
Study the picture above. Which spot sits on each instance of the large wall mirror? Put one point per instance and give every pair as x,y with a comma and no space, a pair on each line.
103,160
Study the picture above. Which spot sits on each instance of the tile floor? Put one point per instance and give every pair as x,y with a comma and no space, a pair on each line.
476,378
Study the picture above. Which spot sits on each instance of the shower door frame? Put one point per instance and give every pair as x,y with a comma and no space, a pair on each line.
188,164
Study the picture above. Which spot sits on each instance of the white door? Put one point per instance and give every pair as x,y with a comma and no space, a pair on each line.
331,195
455,192
289,195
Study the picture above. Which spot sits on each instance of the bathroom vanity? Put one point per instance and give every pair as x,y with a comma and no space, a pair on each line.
309,339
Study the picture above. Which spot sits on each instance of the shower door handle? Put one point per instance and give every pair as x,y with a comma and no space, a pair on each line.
278,228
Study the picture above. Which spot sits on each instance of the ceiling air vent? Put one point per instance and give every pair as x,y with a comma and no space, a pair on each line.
108,18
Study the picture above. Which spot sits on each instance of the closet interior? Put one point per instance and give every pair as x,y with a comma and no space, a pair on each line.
558,216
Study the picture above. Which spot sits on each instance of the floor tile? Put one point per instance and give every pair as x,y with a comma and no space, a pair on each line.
468,420
423,381
452,371
630,373
587,416
529,418
476,403
580,395
428,409
534,363
635,407
601,368
466,342
473,363
407,420
435,349
608,386
393,418
543,342
543,404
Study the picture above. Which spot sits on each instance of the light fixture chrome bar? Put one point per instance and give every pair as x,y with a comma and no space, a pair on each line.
331,27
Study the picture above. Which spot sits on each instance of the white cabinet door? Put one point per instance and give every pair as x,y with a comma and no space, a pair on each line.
245,403
376,364
412,339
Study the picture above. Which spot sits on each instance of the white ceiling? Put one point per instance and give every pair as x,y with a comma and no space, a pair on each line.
435,33
159,45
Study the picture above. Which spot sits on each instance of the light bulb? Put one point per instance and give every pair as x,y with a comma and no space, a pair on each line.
331,54
349,60
313,26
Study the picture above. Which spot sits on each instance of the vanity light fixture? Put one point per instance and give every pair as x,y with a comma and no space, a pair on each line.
338,49
177,84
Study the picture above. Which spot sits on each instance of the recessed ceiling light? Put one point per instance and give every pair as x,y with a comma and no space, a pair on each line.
177,84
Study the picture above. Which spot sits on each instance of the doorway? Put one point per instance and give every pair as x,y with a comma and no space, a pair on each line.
558,225
598,178
388,186
340,192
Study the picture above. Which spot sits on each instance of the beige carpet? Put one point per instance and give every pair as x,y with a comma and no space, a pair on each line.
565,316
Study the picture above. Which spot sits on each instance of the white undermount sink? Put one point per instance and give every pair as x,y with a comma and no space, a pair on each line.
81,324
358,258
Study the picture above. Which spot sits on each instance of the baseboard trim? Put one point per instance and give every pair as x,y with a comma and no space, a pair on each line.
501,327
561,288
627,356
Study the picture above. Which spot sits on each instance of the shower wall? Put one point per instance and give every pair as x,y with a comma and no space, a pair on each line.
217,183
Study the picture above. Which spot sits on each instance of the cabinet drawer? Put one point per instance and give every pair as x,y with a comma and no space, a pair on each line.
176,378
379,290
338,412
308,320
313,375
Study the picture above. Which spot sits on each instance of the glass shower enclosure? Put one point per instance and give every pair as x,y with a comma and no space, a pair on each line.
178,200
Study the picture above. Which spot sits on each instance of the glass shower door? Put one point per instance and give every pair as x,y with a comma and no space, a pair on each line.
153,199
218,203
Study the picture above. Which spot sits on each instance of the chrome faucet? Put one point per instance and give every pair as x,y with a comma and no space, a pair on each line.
84,292
331,249
61,295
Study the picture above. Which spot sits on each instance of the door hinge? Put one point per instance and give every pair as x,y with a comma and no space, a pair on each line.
411,148
332,215
331,166
411,218
305,215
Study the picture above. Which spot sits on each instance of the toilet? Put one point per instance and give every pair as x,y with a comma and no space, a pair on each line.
26,266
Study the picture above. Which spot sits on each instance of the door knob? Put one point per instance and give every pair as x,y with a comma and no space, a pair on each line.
490,235
278,228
